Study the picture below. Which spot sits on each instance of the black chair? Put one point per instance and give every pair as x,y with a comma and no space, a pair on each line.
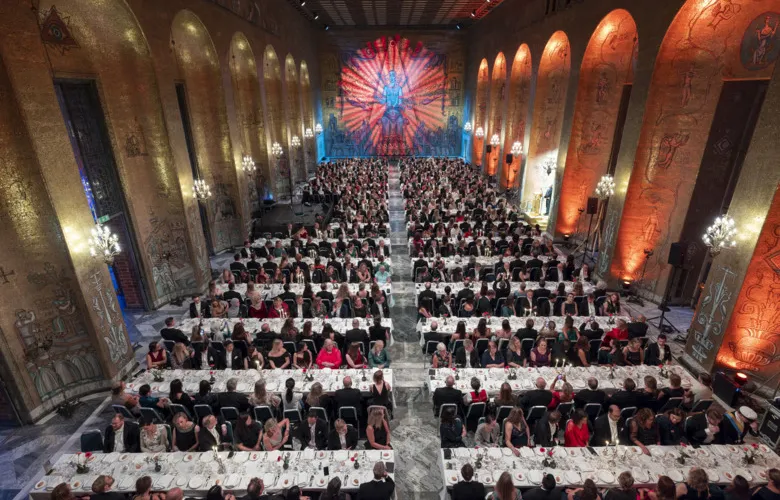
527,345
290,346
122,410
151,414
535,413
349,415
475,411
702,405
312,347
263,413
595,345
599,302
177,408
202,411
593,410
671,404
321,413
502,413
169,345
92,440
627,412
565,409
481,346
229,413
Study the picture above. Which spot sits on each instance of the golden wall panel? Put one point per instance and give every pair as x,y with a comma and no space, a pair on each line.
481,111
307,113
293,109
497,109
272,77
517,114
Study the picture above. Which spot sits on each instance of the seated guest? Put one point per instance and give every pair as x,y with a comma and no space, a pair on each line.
514,357
674,390
348,396
185,433
316,398
737,424
590,395
154,437
468,489
547,491
540,355
565,395
546,429
637,327
536,397
658,352
486,435
697,486
261,397
516,432
588,492
329,356
231,293
231,398
620,332
625,489
101,489
627,396
179,397
205,396
441,358
279,357
665,490
671,427
693,396
771,491
587,307
466,356
451,430
705,428
276,434
146,400
505,488
143,490
157,357
354,357
580,353
197,308
377,431
577,432
172,333
314,432
122,436
477,395
643,430
591,331
492,357
633,355
381,488
206,356
121,398
378,356
248,434
611,305
342,437
181,357
607,427
234,358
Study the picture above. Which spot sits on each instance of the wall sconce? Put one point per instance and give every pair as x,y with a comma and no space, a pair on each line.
517,148
494,140
308,133
276,149
318,129
248,164
103,243
200,190
467,127
720,235
606,187
295,141
480,133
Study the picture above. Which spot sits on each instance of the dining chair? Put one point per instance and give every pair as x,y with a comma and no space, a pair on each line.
527,345
122,410
593,410
169,345
627,412
294,415
565,409
383,408
475,411
321,413
178,408
151,414
671,404
290,346
502,413
349,415
535,413
91,440
202,411
481,346
229,413
263,413
430,348
702,405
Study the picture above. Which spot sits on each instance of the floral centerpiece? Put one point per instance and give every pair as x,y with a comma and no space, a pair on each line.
286,463
308,376
478,462
751,453
548,461
81,462
681,458
157,376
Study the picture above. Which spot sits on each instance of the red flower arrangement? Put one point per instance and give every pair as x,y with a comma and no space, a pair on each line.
542,450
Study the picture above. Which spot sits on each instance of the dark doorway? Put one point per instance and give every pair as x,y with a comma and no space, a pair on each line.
184,111
730,134
84,118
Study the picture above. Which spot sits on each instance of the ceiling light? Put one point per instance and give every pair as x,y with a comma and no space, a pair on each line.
303,3
458,26
316,15
474,13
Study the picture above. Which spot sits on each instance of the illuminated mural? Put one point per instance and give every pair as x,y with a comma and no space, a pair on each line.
480,110
497,108
517,114
391,97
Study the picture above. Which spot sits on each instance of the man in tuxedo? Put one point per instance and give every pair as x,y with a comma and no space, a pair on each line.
122,436
231,293
706,427
637,327
525,304
172,333
350,275
382,250
466,356
231,398
590,395
198,309
381,488
348,396
237,265
626,397
286,294
357,334
379,308
233,358
429,294
557,273
253,264
433,336
658,352
468,489
302,309
541,291
587,307
592,331
535,262
342,437
607,427
314,433
465,293
266,250
548,491
484,305
206,356
536,397
246,250
447,395
300,263
527,332
254,491
324,294
546,429
265,337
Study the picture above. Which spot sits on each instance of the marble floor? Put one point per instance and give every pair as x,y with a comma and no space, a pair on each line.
25,451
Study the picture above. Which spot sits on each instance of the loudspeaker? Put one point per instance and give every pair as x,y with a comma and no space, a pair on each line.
489,148
725,388
593,205
509,158
677,253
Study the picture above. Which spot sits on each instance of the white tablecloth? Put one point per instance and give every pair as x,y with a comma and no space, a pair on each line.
456,287
310,261
195,473
271,291
574,465
456,241
485,262
260,242
468,219
492,378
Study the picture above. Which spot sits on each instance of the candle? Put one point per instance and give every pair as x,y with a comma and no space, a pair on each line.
607,442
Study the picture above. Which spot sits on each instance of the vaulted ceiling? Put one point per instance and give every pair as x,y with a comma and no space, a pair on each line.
395,13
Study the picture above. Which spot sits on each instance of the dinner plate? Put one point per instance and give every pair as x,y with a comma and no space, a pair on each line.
124,457
573,477
727,474
762,474
126,483
321,454
340,455
189,457
197,482
76,484
386,454
675,475
232,481
640,475
535,476
507,452
355,481
286,481
181,481
40,484
452,477
558,477
573,452
269,480
526,452
744,473
206,457
494,453
712,475
320,482
606,477
519,476
703,452
254,456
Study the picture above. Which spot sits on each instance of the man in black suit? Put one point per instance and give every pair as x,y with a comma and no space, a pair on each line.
231,398
525,304
342,437
484,306
541,291
380,308
706,427
206,356
430,295
231,293
266,250
324,294
653,353
626,397
590,395
418,264
348,396
314,433
592,331
557,273
122,436
286,294
546,429
637,327
447,395
101,489
548,491
357,334
465,293
233,358
350,274
253,264
468,489
254,491
433,336
302,309
587,307
535,262
466,356
174,334
381,488
198,309
607,427
536,397
237,265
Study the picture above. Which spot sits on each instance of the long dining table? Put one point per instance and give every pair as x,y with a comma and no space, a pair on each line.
197,472
456,287
270,292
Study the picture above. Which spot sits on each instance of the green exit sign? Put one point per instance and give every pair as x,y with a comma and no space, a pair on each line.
103,219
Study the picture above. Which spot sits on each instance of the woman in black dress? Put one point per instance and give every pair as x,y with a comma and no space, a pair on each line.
179,397
377,431
248,433
697,487
278,357
380,391
772,490
185,433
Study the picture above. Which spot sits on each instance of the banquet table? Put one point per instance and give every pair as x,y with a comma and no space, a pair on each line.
456,287
609,379
310,261
486,262
508,222
470,239
331,380
447,326
270,292
286,242
573,465
195,473
253,325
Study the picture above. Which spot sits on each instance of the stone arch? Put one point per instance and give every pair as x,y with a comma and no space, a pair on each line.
517,114
198,65
552,84
607,66
480,109
294,118
703,47
307,113
497,107
272,78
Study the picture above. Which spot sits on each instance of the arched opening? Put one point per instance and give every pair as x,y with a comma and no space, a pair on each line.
202,104
307,112
294,120
496,120
551,86
517,114
272,77
249,113
708,84
603,92
480,110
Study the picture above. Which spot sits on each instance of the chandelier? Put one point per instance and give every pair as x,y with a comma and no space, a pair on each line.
200,190
480,133
606,187
308,133
276,149
467,126
495,141
517,148
318,128
103,243
548,166
721,235
248,164
295,141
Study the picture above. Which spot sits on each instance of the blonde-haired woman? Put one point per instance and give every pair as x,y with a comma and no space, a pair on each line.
276,434
377,431
180,357
441,358
260,397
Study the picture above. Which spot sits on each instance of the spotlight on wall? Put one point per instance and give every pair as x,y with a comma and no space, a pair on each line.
740,378
517,148
626,285
318,128
467,126
473,13
308,133
316,15
566,237
480,133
